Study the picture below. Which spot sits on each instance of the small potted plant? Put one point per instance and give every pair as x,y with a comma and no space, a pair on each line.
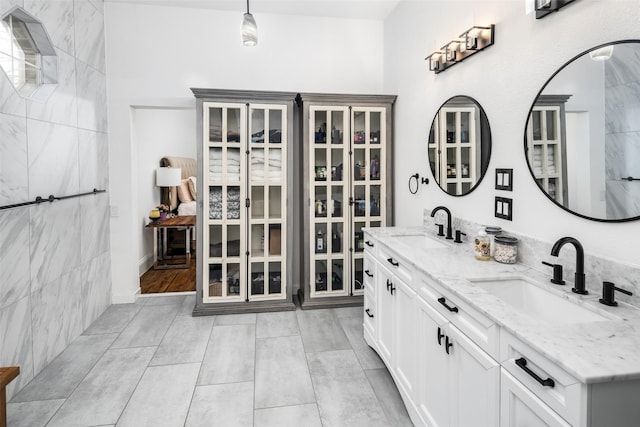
164,211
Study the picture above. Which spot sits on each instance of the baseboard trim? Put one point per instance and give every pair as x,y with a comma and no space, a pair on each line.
145,264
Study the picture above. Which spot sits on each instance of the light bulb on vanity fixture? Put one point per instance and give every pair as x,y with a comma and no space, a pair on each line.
249,29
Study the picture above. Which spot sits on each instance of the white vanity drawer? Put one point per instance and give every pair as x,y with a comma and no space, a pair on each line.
370,245
482,330
396,265
370,314
551,384
369,273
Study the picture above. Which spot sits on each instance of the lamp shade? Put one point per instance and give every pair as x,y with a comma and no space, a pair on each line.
249,30
168,177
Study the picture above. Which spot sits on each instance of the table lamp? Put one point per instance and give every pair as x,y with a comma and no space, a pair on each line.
168,177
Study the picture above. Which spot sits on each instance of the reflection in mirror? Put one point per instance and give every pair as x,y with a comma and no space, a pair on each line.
459,145
582,139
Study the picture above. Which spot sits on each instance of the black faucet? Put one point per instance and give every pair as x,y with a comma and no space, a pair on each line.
578,287
433,214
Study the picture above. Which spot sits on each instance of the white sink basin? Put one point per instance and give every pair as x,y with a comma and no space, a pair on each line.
536,302
419,241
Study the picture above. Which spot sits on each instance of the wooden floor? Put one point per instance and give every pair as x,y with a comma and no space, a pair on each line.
171,280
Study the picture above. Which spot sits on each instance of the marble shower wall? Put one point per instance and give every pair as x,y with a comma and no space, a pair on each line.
55,274
622,153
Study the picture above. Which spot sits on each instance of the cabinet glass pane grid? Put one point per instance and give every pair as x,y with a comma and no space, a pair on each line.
223,202
544,153
328,203
367,174
267,234
457,127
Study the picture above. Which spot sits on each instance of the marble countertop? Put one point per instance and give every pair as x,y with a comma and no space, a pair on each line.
594,351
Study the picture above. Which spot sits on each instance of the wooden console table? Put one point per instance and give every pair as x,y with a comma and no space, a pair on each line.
160,256
6,376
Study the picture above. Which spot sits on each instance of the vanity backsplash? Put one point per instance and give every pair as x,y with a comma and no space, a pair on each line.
532,252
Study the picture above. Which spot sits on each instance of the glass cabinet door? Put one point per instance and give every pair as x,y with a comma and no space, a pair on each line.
224,243
267,184
368,182
329,168
545,152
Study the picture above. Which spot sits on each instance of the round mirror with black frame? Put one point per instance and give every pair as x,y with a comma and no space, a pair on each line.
459,145
582,137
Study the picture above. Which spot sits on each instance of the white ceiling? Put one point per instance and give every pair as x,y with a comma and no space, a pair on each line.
362,9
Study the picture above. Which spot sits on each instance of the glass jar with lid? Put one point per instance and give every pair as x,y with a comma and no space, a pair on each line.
492,232
506,249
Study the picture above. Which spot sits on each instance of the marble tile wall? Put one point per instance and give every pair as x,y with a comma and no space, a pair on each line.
622,152
55,267
532,252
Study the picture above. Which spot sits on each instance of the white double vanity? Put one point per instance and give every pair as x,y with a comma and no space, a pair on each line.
479,343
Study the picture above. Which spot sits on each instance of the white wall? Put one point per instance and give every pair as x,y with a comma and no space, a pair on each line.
505,79
157,132
155,54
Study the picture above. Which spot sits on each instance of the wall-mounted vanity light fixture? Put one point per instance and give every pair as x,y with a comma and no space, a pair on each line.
473,40
545,7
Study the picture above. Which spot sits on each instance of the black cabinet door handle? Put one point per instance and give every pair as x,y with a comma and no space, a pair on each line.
393,288
368,273
522,363
393,262
389,284
368,314
443,301
440,335
369,244
447,344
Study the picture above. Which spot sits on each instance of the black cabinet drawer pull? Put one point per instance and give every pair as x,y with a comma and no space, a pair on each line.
440,335
368,314
368,273
443,301
388,285
369,244
393,262
393,288
447,344
522,363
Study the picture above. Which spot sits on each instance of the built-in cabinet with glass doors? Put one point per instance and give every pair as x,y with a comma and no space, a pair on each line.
244,247
347,154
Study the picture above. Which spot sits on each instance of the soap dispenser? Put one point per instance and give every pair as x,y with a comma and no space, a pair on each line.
482,248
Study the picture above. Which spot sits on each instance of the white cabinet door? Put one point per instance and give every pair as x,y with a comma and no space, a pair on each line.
475,379
519,407
405,336
386,315
433,394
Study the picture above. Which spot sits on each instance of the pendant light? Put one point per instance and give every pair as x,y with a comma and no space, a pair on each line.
249,29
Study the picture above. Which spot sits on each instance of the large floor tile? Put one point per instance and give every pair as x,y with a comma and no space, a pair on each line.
62,376
236,319
354,330
148,327
321,331
349,312
158,299
185,341
162,398
32,414
389,397
343,393
277,324
224,405
298,415
103,394
115,318
230,355
282,376
186,308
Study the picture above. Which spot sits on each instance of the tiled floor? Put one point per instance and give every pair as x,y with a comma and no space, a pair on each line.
152,364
